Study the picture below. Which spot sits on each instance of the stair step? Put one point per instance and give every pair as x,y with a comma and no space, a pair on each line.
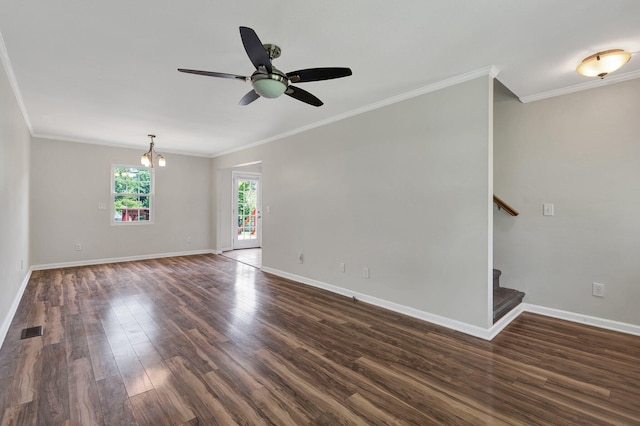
496,278
505,299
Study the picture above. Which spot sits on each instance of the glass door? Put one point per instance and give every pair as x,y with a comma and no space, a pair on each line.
246,212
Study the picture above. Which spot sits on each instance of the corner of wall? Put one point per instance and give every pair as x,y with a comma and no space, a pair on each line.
6,322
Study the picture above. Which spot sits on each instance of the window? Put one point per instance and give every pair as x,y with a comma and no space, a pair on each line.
132,194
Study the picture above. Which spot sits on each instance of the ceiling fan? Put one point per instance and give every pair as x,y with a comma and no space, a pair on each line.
267,80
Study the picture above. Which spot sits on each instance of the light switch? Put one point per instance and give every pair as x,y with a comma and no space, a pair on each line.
547,209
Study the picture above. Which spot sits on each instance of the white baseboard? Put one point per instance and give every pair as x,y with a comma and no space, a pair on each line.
6,322
500,325
483,333
463,327
608,324
119,259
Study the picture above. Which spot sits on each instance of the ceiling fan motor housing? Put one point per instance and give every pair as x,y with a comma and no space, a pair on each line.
269,82
272,50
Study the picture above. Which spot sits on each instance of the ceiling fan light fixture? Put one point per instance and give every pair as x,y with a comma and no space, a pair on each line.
602,63
269,85
269,82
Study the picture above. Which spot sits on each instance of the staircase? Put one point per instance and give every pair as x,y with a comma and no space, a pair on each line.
504,299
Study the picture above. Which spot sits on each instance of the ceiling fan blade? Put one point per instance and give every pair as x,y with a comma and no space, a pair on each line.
254,48
215,74
316,74
249,97
303,95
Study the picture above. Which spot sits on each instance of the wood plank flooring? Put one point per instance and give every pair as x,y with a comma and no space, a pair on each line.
207,340
251,256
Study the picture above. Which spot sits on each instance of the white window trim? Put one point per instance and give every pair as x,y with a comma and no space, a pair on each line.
152,196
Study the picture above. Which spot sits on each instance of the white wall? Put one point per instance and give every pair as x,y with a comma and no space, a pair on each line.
403,190
15,142
580,152
68,181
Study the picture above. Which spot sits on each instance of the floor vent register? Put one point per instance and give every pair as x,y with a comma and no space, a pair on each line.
31,332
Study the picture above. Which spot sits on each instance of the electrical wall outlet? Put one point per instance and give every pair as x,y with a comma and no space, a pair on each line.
78,246
365,272
342,267
598,290
547,209
300,258
189,239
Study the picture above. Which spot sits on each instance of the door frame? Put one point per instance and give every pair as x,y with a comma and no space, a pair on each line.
234,203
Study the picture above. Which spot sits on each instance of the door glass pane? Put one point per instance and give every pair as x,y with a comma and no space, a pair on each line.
247,204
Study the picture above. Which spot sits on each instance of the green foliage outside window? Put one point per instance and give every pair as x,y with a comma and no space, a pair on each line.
132,188
246,202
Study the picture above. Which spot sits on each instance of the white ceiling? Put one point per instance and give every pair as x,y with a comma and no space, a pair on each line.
105,72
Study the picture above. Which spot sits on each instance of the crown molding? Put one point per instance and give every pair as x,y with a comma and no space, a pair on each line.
592,84
115,144
8,69
490,71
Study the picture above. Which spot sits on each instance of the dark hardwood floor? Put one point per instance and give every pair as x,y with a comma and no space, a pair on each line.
207,340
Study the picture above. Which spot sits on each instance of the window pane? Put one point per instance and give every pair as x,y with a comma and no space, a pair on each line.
144,181
120,180
123,180
143,215
131,180
126,207
132,194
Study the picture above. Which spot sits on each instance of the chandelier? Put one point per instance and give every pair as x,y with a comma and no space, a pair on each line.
151,157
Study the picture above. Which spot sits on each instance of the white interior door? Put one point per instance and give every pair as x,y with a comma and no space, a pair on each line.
246,214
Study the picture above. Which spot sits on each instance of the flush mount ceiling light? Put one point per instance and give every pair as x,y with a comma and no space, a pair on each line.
603,63
151,157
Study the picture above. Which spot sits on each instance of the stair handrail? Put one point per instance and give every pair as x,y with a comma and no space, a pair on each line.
503,205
